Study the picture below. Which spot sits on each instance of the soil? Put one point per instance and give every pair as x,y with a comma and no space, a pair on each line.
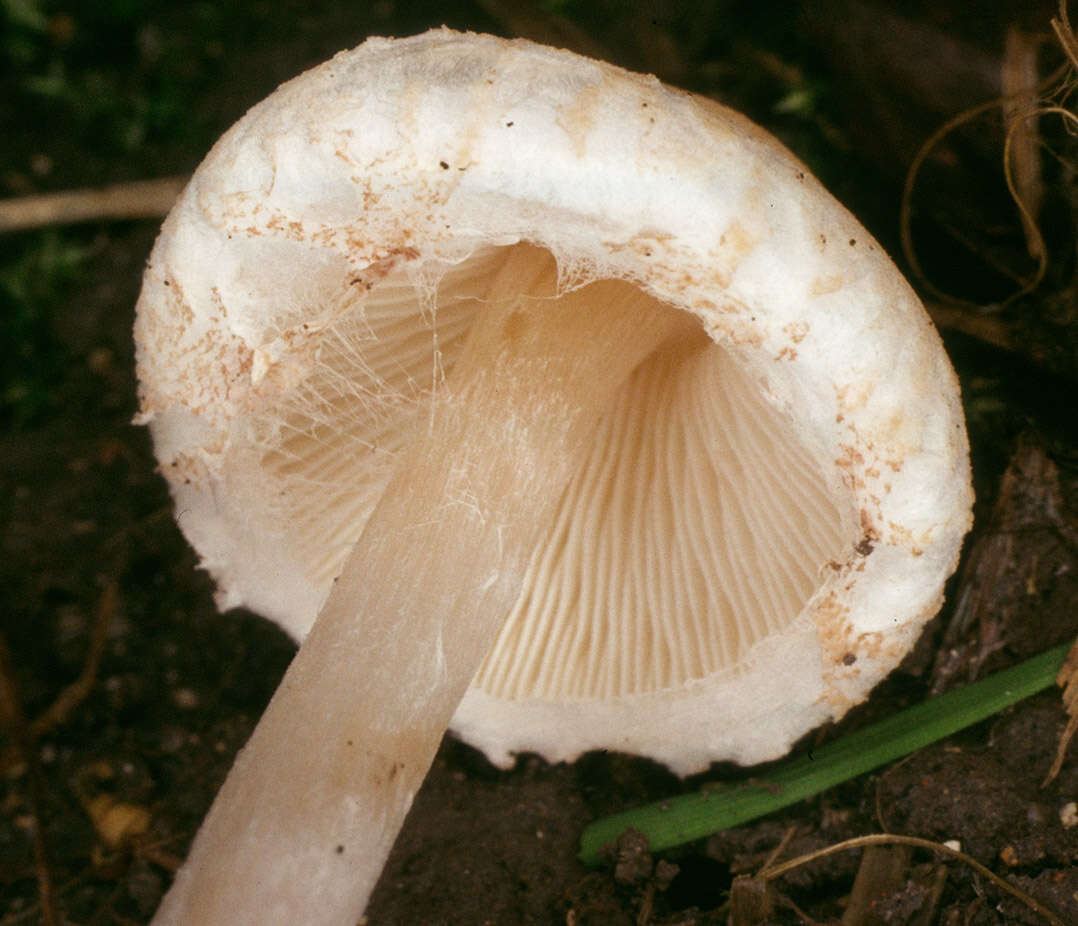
96,581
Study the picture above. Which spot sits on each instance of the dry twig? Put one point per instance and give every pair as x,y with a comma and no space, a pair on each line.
140,199
890,839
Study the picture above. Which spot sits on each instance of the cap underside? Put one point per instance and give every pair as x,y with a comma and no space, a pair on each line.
699,525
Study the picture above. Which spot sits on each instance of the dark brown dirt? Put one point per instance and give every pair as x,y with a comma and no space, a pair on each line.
88,542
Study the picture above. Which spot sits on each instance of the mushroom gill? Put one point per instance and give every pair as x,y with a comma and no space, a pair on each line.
698,526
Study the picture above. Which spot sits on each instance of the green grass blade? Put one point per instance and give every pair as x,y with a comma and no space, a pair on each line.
692,816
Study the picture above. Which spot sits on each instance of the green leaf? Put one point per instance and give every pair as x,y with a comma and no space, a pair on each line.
693,816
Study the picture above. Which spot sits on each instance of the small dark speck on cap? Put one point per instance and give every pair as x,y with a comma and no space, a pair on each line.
340,850
849,659
444,166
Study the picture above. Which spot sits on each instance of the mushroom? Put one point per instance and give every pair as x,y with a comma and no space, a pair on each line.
540,399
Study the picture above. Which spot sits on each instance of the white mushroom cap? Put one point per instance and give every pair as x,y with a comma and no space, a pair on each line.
768,514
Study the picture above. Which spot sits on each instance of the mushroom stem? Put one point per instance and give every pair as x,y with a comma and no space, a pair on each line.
304,822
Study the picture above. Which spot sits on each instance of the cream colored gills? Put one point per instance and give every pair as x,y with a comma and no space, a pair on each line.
697,528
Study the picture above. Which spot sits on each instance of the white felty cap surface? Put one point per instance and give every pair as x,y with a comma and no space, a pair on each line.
765,523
